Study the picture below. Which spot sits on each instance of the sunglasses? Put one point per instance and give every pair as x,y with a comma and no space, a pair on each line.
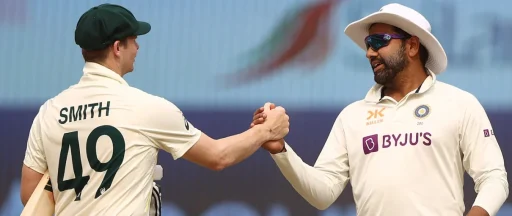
377,41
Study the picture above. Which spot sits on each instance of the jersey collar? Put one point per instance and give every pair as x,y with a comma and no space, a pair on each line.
376,93
97,72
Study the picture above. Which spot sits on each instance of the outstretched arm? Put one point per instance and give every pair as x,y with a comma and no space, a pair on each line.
321,184
222,153
170,131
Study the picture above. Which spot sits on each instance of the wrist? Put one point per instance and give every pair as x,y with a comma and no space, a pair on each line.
262,132
280,151
477,211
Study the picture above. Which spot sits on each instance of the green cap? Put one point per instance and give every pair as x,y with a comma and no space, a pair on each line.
102,25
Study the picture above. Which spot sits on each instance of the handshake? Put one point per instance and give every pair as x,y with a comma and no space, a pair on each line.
275,121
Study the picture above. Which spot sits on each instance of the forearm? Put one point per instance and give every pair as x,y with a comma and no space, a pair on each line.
317,187
233,149
492,193
29,181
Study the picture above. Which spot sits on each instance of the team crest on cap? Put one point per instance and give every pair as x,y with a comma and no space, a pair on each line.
422,111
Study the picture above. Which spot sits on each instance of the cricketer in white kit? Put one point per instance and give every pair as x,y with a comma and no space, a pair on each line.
406,145
100,142
99,138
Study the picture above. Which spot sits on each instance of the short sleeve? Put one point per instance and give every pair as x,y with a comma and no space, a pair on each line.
34,154
166,126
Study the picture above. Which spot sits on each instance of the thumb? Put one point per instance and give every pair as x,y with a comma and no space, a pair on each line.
266,107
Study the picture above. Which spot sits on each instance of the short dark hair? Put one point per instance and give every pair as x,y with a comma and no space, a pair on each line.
98,56
423,51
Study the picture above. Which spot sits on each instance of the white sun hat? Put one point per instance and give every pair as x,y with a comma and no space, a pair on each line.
408,20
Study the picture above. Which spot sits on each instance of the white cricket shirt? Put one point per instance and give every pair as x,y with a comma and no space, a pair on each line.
405,158
109,134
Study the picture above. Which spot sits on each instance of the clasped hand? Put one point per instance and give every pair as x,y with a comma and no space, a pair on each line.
277,121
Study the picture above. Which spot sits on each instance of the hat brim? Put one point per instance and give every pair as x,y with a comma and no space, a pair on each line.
144,28
358,30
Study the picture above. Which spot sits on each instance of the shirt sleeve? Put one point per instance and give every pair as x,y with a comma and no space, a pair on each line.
166,126
34,154
483,159
322,184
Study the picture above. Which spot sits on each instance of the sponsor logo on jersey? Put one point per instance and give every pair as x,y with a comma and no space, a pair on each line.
375,116
373,143
187,126
488,133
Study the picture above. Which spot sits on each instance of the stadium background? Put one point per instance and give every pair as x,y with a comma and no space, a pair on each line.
195,44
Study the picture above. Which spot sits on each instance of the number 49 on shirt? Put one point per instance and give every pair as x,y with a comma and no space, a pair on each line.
70,143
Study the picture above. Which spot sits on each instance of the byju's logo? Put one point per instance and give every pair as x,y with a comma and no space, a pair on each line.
488,133
370,144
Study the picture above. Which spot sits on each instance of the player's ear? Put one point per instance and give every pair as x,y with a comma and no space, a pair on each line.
414,46
116,48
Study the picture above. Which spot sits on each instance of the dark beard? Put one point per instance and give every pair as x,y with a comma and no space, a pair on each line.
393,65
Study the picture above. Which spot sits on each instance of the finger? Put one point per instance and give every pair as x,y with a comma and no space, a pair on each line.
258,121
257,116
267,107
280,108
259,110
272,106
260,115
